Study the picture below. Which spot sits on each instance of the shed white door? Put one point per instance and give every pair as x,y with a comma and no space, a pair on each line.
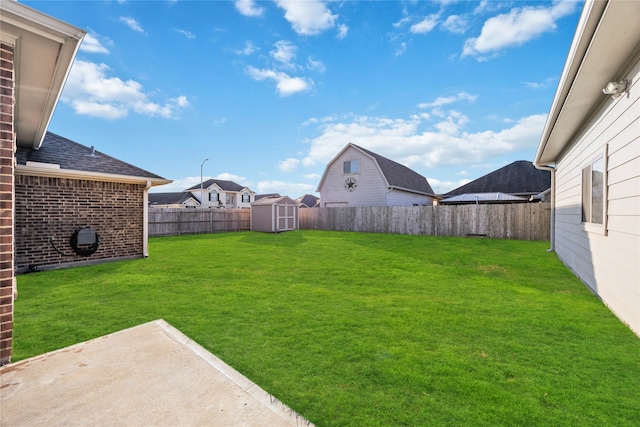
286,217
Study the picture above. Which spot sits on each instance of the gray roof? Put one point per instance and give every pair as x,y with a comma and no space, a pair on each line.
519,177
170,198
223,184
73,156
309,200
483,198
400,176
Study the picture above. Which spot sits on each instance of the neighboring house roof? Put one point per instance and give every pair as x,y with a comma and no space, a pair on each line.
519,177
309,200
608,33
483,198
398,176
260,196
62,154
47,49
170,198
223,184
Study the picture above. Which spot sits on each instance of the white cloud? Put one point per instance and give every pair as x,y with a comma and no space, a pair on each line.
188,34
91,44
516,28
444,145
426,25
288,165
285,84
284,52
445,100
238,179
312,64
248,8
247,50
442,187
455,24
342,31
132,23
308,18
90,91
290,189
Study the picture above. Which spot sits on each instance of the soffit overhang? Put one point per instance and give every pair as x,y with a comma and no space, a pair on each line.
44,50
606,41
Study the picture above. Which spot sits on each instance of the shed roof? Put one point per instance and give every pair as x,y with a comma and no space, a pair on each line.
170,198
274,200
69,155
519,177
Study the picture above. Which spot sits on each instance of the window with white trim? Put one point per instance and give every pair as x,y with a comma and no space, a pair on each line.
594,184
246,198
213,196
351,166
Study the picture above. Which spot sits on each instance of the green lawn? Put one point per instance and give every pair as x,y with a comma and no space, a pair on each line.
357,329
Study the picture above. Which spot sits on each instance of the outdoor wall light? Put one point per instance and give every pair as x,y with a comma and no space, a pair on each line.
615,89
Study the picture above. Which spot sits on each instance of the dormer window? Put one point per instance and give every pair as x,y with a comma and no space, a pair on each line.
351,166
214,196
246,198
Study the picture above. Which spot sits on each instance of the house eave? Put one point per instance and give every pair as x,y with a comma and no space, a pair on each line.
52,172
408,190
600,53
44,50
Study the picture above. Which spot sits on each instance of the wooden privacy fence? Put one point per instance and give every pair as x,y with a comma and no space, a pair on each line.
519,221
179,221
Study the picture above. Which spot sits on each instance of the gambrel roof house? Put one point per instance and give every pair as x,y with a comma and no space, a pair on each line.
222,193
591,145
172,200
359,177
520,178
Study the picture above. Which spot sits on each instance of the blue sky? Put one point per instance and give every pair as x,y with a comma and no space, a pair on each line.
270,91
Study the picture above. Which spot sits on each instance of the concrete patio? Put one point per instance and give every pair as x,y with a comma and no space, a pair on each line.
149,375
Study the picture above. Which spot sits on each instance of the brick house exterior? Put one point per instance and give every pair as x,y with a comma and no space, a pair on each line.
65,186
49,188
7,148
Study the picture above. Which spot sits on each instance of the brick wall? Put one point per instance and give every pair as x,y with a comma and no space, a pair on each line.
55,208
7,151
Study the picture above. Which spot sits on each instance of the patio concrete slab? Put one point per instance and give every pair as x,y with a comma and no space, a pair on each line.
149,375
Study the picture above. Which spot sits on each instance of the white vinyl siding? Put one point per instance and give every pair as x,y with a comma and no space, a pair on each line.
405,198
607,262
372,187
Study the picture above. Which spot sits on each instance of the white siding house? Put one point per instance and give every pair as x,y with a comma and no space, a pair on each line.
220,193
591,143
359,177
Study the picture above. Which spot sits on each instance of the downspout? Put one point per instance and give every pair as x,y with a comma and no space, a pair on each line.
552,224
145,220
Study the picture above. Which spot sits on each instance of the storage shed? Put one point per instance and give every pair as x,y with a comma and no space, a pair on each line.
274,214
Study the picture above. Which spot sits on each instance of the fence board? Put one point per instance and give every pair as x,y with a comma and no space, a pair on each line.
520,221
179,221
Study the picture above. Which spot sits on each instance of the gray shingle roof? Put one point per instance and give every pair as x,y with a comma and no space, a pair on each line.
309,200
223,184
70,155
519,177
169,198
399,175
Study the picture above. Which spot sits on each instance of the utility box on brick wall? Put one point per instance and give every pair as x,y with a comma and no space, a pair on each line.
274,214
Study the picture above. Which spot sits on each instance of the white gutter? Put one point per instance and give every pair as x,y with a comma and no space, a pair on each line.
53,172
